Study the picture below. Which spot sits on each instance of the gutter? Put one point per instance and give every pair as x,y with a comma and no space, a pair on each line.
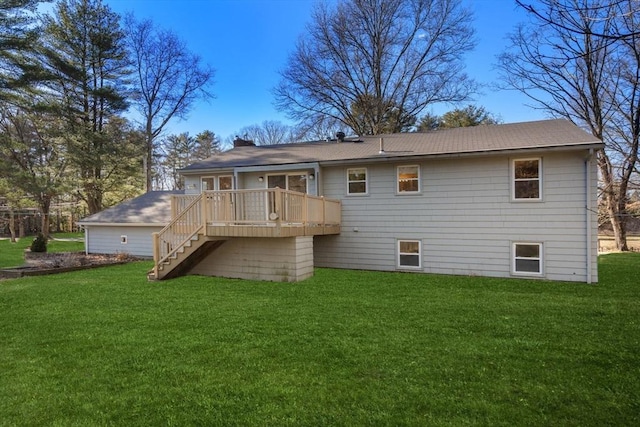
588,214
388,155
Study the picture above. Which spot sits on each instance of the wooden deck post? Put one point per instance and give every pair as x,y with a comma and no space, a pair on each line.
203,210
305,211
156,252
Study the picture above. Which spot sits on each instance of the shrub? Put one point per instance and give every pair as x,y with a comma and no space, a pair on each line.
39,244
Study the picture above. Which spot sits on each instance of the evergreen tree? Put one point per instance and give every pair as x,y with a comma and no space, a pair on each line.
85,55
178,153
207,144
18,36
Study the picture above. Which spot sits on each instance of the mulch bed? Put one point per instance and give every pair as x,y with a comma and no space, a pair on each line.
52,263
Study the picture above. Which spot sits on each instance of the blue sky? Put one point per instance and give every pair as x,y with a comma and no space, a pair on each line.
248,41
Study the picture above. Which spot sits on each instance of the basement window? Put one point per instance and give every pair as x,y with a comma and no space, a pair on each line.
527,258
409,254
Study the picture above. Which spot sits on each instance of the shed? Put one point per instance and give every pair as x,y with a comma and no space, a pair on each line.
128,226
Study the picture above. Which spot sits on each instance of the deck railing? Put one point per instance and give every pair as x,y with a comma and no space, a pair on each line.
264,207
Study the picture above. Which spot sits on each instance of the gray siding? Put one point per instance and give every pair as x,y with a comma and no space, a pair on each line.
106,239
465,218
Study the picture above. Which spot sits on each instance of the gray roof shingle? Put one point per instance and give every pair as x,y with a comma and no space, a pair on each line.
152,208
555,133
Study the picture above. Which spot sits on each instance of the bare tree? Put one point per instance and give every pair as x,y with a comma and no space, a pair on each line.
169,79
618,33
570,60
374,65
269,132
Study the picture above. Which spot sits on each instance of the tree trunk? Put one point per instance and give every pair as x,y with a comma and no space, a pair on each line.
20,227
615,206
45,206
617,224
12,225
148,159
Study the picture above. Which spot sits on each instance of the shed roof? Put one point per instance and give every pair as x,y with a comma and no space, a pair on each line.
152,208
544,134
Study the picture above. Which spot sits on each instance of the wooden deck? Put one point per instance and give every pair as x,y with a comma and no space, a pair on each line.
243,213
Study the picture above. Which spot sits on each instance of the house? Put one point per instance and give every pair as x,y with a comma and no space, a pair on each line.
511,200
129,227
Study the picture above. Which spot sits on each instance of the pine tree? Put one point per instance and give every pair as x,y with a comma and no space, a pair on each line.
85,55
18,36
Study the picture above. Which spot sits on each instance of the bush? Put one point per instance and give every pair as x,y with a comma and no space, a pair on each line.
39,244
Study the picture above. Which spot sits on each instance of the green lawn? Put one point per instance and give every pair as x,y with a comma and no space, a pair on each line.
106,347
11,254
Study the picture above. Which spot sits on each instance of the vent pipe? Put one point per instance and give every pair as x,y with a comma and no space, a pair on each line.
381,146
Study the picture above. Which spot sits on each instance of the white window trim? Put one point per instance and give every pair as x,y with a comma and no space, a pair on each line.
398,180
419,254
233,184
286,180
540,259
202,178
513,179
366,182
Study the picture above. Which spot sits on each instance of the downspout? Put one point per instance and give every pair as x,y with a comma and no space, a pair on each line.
588,214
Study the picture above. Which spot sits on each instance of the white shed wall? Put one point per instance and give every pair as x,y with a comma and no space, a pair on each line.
106,239
465,218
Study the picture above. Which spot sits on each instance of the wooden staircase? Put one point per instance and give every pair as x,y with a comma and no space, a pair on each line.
185,258
182,243
201,223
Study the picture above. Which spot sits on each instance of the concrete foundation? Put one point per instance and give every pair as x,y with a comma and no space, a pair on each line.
287,259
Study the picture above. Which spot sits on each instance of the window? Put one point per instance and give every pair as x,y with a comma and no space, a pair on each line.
294,182
207,184
357,181
526,179
409,254
527,258
225,182
408,179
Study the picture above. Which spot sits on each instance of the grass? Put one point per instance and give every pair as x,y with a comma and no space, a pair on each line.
12,254
106,347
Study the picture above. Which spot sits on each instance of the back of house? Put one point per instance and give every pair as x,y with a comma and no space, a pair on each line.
512,200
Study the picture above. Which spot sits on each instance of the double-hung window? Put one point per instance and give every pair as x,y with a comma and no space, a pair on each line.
408,178
409,254
357,181
527,179
527,258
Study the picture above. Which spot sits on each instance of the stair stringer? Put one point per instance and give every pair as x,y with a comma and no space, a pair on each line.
186,257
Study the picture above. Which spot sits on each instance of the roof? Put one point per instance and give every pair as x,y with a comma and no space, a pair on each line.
545,134
152,208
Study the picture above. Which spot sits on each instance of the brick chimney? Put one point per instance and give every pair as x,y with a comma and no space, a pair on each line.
239,142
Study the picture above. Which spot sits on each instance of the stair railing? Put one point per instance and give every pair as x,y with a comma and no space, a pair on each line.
186,225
